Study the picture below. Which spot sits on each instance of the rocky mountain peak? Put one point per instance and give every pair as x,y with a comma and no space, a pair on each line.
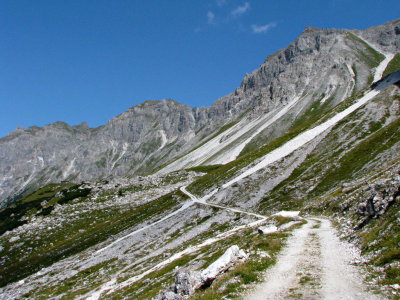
17,131
324,64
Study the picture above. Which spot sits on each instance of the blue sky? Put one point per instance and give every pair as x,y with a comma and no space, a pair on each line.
77,61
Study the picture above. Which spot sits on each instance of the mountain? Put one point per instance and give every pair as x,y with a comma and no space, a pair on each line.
111,211
319,66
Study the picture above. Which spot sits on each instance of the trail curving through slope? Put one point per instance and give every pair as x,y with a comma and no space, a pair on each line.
202,201
328,292
113,283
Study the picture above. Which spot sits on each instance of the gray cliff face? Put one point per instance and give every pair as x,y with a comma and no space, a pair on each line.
128,144
387,36
324,65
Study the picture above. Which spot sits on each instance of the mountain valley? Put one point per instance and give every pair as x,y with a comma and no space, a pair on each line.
169,202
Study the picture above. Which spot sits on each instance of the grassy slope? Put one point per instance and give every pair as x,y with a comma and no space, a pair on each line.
313,112
366,141
242,274
393,66
73,237
317,183
319,178
30,205
369,55
366,54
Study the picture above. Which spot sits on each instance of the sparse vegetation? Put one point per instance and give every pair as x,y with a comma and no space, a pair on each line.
91,229
81,222
393,66
360,155
204,169
40,202
241,276
370,56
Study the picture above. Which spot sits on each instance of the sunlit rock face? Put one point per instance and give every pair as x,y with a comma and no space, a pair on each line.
321,65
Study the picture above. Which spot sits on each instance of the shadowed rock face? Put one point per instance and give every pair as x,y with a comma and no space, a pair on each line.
320,63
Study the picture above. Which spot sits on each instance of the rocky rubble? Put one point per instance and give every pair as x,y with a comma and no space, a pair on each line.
379,197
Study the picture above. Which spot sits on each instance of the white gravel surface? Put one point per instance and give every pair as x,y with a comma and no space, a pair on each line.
314,253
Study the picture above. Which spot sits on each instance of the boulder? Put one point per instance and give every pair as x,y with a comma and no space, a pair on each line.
169,295
186,282
267,229
228,259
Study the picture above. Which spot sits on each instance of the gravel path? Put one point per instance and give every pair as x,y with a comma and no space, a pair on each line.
315,264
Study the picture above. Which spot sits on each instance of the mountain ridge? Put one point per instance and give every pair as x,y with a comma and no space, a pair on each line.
131,142
321,146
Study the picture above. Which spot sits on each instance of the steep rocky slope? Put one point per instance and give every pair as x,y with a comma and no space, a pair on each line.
320,66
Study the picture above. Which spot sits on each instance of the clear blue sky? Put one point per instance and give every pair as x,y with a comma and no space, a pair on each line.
77,61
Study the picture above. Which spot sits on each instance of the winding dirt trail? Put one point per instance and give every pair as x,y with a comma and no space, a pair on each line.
314,265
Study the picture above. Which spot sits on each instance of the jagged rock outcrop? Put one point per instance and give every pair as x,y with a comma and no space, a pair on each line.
387,36
186,283
379,197
325,65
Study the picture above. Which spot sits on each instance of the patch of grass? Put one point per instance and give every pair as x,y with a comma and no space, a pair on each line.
17,213
204,169
316,226
67,286
354,67
392,276
393,66
305,279
154,286
315,110
383,233
358,156
232,283
223,128
369,55
295,295
280,220
134,189
247,272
